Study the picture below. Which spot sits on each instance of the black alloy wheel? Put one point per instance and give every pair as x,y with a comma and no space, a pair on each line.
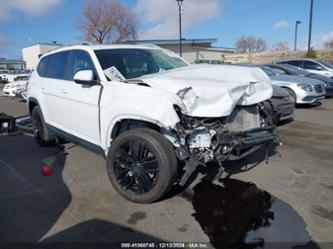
142,165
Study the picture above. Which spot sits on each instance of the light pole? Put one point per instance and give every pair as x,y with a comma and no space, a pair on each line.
310,26
295,44
180,2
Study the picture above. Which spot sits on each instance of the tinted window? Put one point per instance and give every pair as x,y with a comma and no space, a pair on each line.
278,70
268,71
310,65
296,70
295,63
42,67
79,60
56,65
326,64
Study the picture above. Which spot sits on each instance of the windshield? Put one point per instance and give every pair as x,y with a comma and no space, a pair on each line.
133,63
326,64
268,71
278,70
296,70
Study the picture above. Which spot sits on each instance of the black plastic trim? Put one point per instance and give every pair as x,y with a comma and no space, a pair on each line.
69,137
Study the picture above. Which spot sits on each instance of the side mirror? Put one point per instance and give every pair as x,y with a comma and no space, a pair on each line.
319,68
84,77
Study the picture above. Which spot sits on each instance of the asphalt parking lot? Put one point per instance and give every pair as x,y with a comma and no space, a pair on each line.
77,203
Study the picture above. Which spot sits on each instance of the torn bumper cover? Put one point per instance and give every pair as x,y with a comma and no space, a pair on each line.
220,139
242,144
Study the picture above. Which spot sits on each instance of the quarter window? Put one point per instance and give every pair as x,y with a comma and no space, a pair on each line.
56,65
42,67
295,63
310,65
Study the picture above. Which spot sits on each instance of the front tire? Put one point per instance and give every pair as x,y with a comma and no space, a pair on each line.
42,135
142,165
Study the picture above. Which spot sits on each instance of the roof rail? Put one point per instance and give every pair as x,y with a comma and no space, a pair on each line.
86,43
150,45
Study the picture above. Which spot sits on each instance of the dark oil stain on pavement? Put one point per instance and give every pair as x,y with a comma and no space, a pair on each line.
135,217
326,186
323,212
183,229
240,215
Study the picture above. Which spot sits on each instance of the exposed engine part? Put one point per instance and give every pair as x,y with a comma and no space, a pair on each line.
243,119
190,167
199,139
219,139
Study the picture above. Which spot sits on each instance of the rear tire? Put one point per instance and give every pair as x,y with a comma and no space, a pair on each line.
42,135
142,165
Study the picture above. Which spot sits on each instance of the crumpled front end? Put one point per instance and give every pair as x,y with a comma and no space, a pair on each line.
204,140
215,90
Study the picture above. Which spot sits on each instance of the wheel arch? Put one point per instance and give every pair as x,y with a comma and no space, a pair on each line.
290,89
32,103
128,123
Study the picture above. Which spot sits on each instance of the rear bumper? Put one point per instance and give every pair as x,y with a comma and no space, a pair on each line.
8,93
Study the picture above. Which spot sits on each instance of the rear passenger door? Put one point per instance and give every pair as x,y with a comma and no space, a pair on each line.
74,107
313,67
53,72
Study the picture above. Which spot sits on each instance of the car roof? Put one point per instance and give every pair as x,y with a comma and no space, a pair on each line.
295,59
101,47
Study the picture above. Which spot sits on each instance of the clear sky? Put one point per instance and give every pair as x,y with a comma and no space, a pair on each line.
24,22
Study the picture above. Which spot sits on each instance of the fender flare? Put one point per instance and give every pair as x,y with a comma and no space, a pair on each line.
111,126
32,100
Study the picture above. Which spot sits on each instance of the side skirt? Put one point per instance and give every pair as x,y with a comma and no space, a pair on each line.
76,140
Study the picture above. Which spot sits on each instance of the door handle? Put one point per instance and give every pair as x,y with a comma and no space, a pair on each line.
64,91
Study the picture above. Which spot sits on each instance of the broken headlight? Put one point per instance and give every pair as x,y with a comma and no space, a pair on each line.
188,97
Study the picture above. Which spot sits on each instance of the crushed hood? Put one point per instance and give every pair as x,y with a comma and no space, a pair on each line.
219,88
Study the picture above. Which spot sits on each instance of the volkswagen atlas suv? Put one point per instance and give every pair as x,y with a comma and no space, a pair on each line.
152,115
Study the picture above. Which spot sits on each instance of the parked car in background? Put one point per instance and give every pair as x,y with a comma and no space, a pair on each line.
313,66
293,70
282,103
21,95
10,89
3,76
302,90
14,75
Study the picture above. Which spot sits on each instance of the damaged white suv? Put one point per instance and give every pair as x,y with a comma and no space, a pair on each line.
154,116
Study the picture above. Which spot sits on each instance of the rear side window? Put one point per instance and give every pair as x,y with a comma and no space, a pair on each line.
79,60
310,65
42,66
56,65
295,63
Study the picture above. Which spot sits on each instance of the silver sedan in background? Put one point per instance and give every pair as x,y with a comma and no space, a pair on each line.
303,90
